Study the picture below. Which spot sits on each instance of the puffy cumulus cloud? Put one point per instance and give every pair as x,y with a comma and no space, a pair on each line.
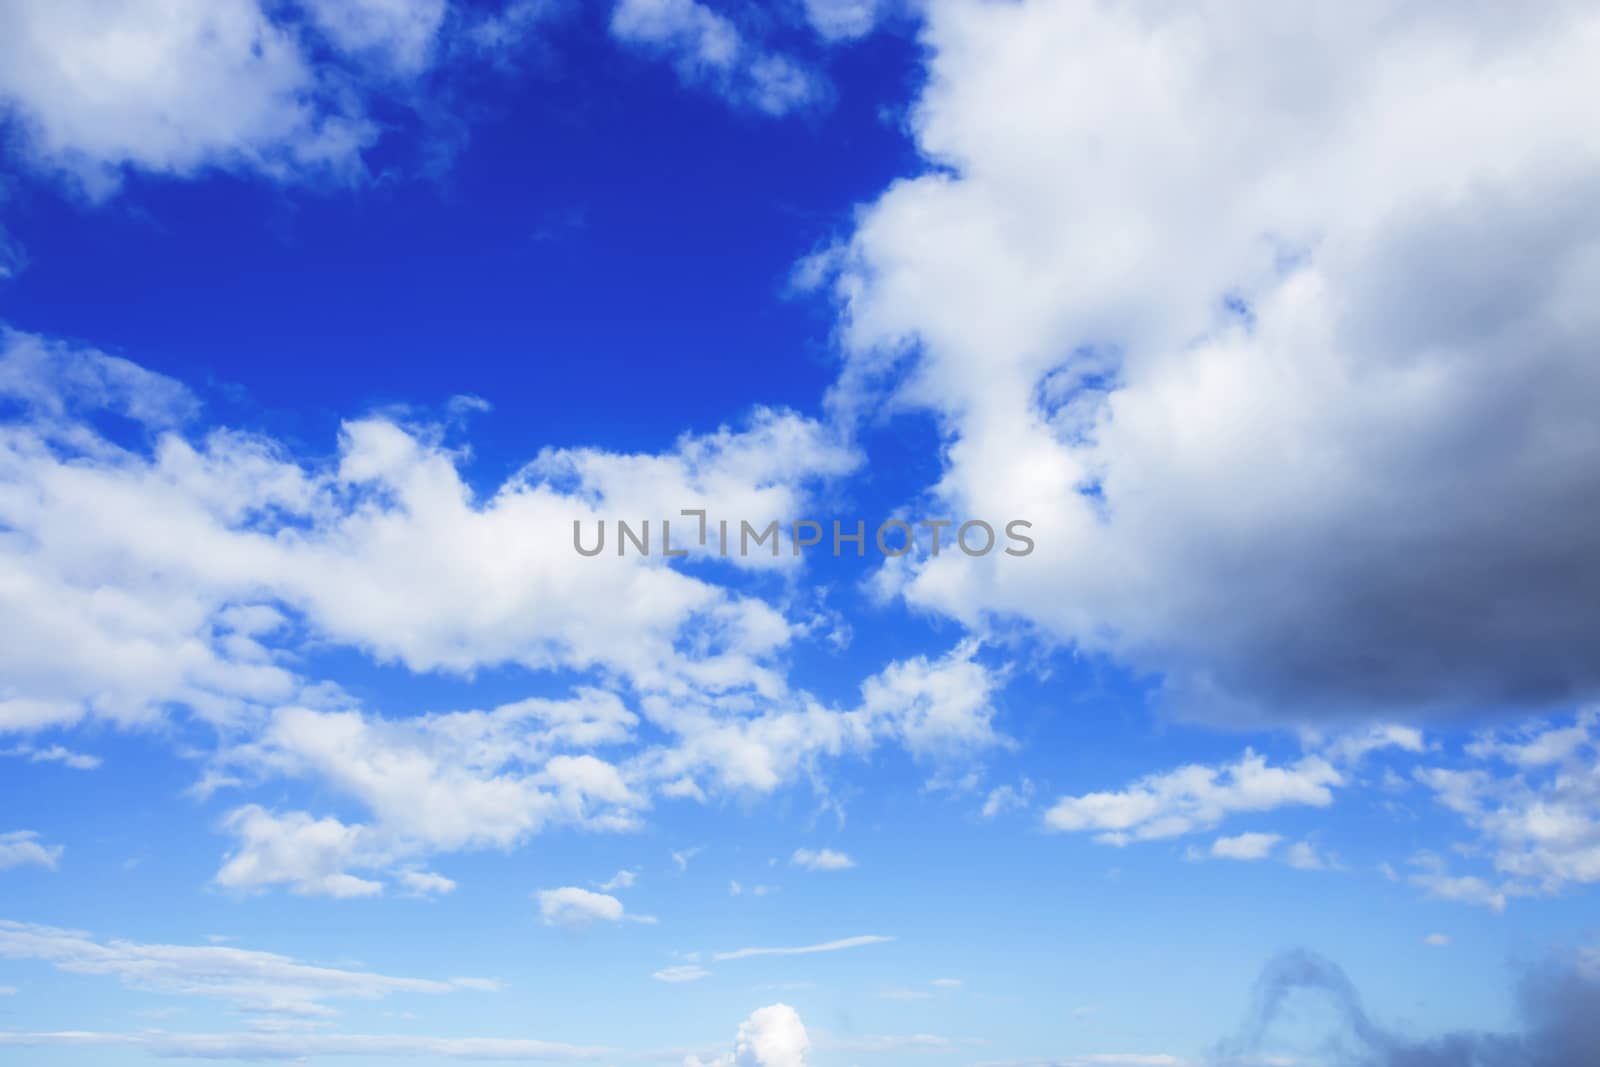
938,709
1287,357
169,88
178,572
1250,846
305,854
169,575
21,848
1532,799
576,908
707,48
253,981
773,1036
1195,797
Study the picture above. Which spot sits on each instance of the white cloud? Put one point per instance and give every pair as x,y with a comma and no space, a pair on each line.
805,950
426,883
306,854
169,88
263,982
1434,877
398,33
183,578
687,972
1007,798
1251,846
576,908
621,880
21,848
1436,940
837,20
1538,824
297,1046
1195,797
78,761
821,860
1298,330
1304,856
707,48
772,1036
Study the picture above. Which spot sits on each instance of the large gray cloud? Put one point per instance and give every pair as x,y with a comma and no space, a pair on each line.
1280,328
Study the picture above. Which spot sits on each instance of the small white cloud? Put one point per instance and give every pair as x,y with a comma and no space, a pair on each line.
839,20
684,973
1253,846
575,908
427,883
821,860
21,848
1303,856
805,950
78,761
706,48
620,880
1436,940
1006,798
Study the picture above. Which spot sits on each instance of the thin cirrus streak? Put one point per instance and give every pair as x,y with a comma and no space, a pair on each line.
804,950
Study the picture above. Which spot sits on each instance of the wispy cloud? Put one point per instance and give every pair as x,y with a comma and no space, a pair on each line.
804,950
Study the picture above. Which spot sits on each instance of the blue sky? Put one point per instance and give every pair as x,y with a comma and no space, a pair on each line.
322,323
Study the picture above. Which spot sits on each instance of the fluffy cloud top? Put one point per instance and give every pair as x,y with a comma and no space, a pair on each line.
170,88
1287,356
773,1036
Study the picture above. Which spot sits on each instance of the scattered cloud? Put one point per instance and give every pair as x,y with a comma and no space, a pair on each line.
707,48
821,859
623,879
257,982
21,848
1251,846
577,908
1194,798
804,950
772,1036
687,972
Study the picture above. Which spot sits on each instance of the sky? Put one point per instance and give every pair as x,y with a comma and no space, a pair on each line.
1259,339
